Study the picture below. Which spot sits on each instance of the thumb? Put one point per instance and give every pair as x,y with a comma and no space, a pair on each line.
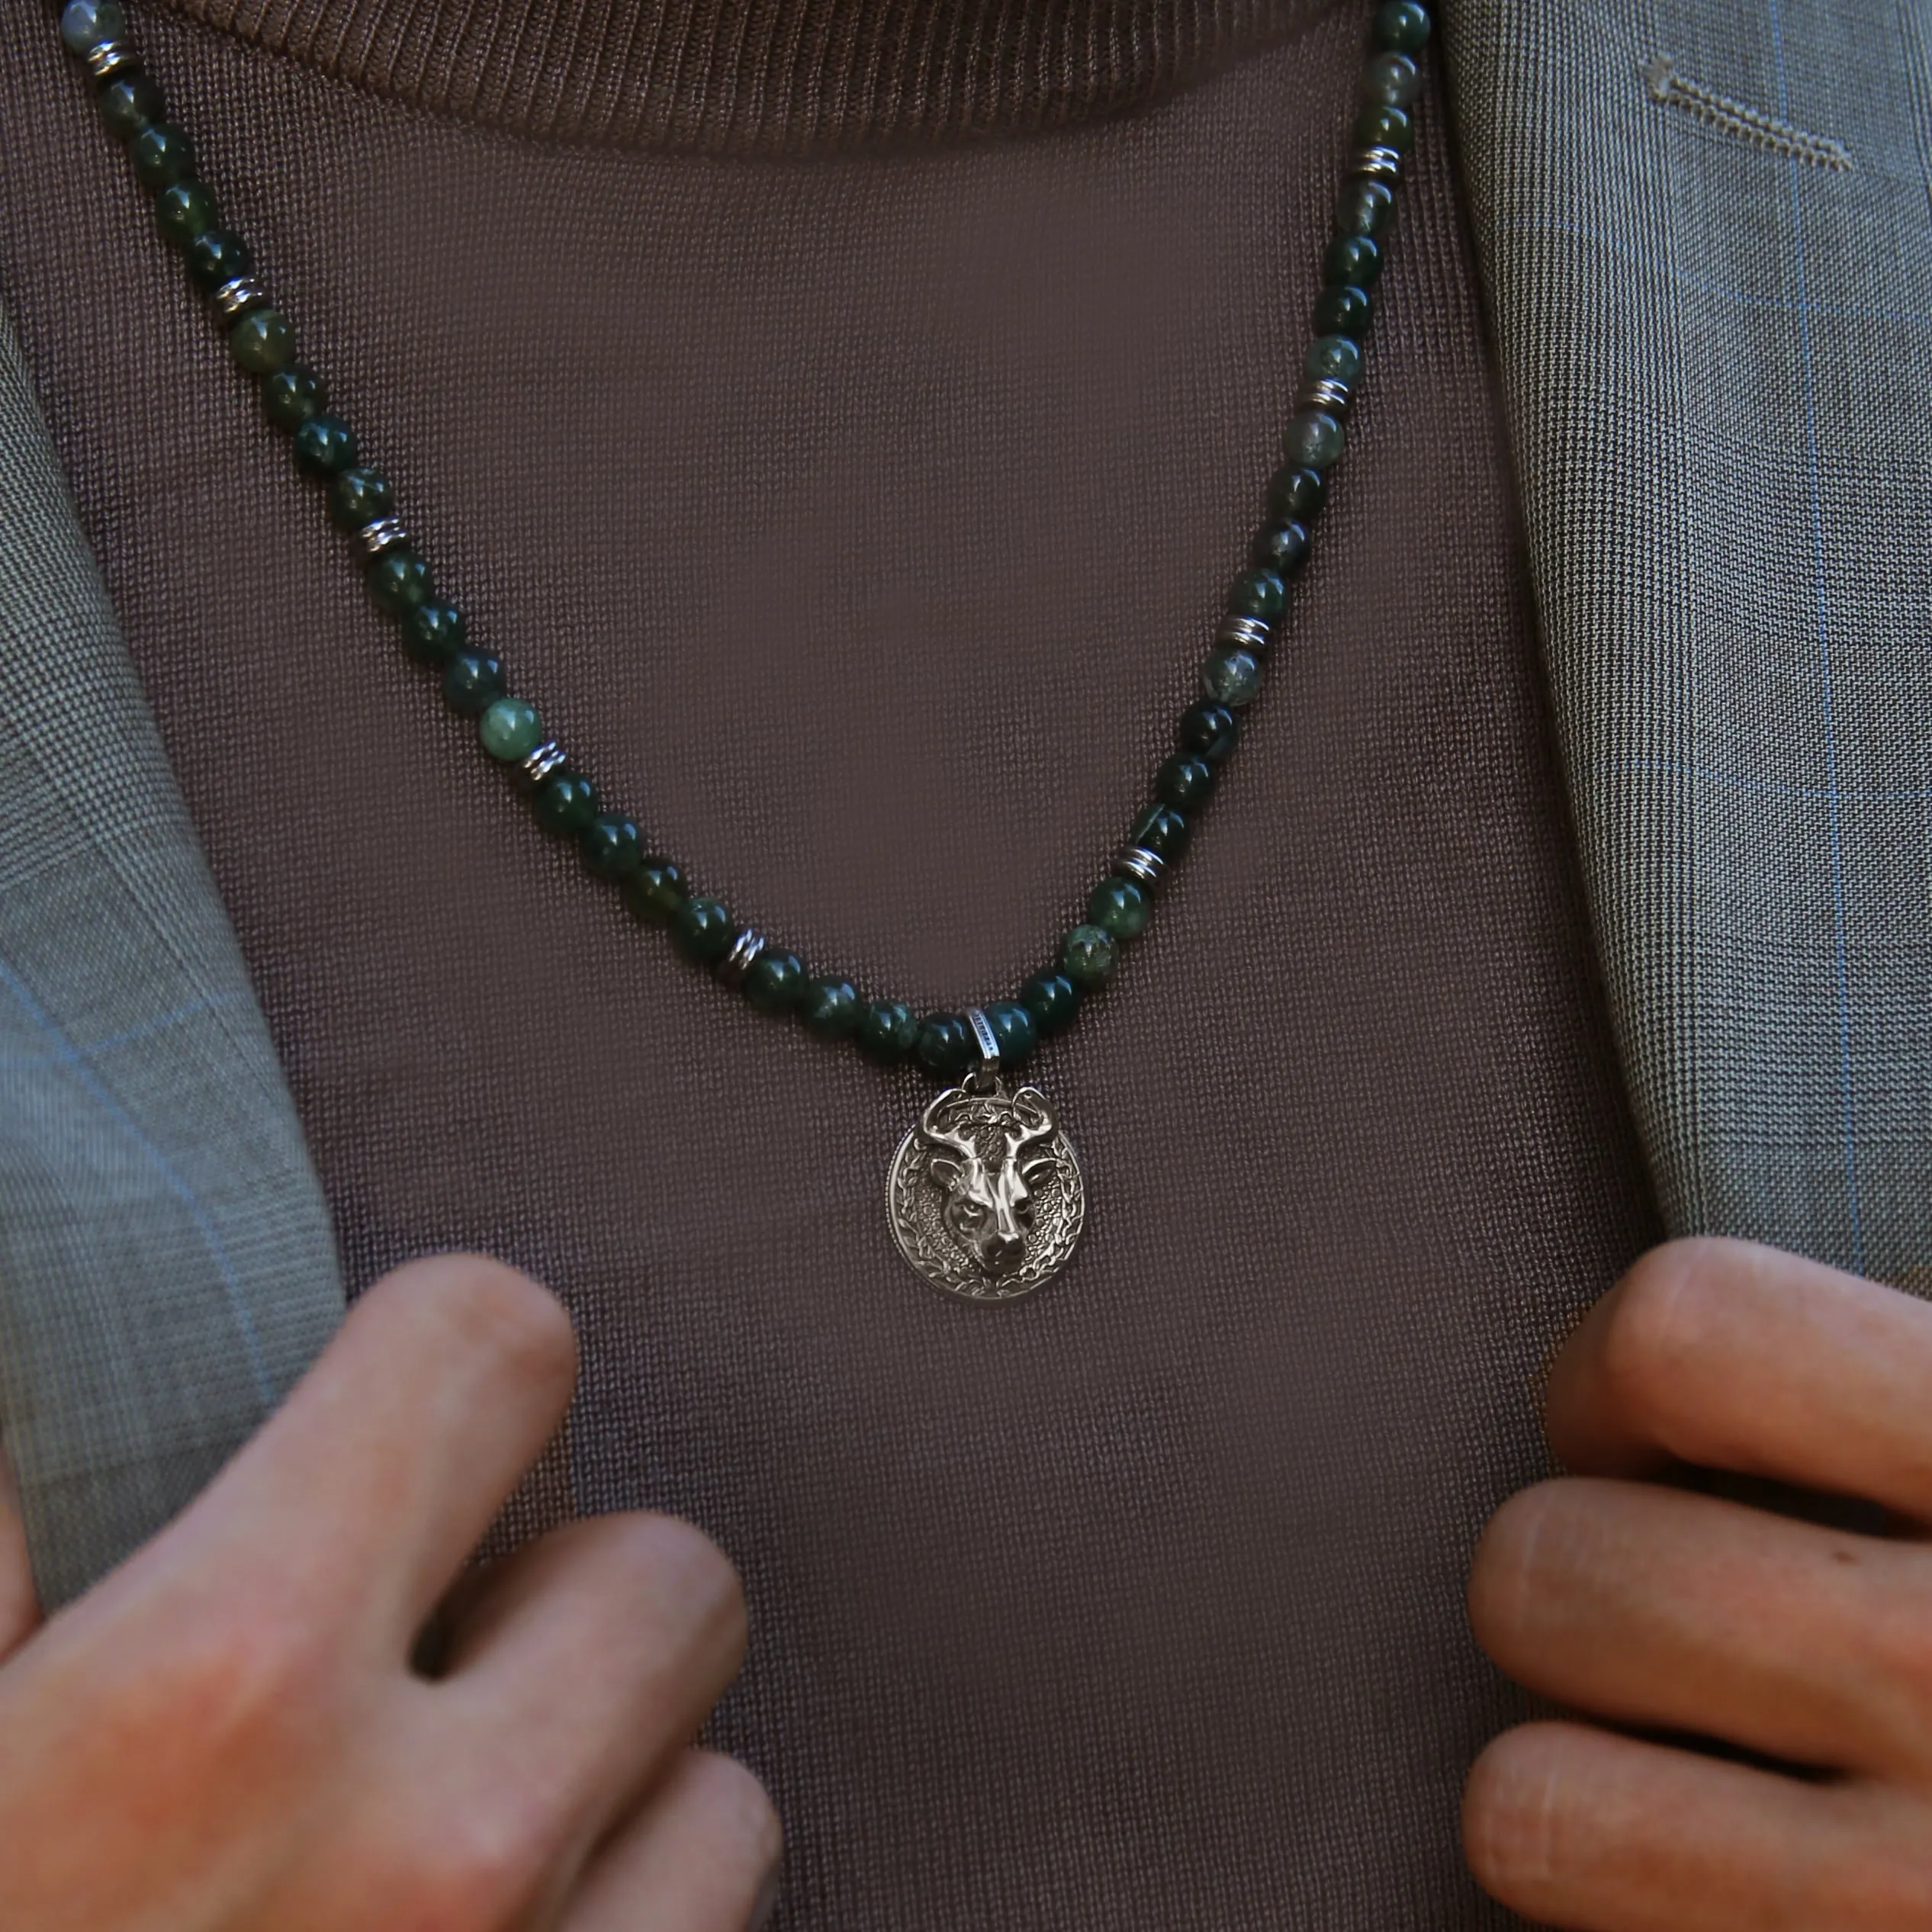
20,1609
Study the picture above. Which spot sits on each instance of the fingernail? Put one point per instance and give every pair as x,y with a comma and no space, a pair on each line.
761,1913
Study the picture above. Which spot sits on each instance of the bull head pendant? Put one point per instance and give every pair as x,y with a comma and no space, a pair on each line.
986,1194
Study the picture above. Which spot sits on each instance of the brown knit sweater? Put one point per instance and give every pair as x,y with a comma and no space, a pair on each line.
852,491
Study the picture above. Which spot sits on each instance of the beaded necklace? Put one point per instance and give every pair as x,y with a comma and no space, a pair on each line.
985,1195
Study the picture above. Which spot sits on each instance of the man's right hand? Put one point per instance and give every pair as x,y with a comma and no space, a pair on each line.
227,1733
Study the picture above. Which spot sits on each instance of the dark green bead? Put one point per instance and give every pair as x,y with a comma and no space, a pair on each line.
1232,676
565,802
1333,358
657,889
1052,999
184,211
262,342
510,730
399,581
1013,1027
1088,957
1282,548
1297,494
829,1008
1260,593
704,930
1380,125
1402,27
1343,312
1162,831
1206,731
161,154
473,681
130,103
1184,783
1119,907
359,497
1363,207
1390,80
888,1029
326,445
1351,262
291,397
774,982
613,847
433,634
1313,440
217,256
947,1045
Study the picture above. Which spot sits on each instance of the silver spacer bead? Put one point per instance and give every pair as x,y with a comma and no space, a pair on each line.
1249,633
236,297
109,58
1377,163
737,962
1137,863
547,758
385,533
1325,394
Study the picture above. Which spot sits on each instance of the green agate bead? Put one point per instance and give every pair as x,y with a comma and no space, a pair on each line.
1283,549
1363,207
1343,312
947,1045
128,104
1207,731
1313,440
184,211
774,982
657,889
613,848
1333,358
162,154
433,634
1297,495
1119,907
1231,676
86,24
1013,1027
358,498
291,397
703,930
510,730
1184,783
566,801
473,681
399,581
218,256
1088,957
829,1008
1380,125
888,1029
1162,831
1390,80
1351,262
1052,999
262,342
1402,27
326,445
1260,593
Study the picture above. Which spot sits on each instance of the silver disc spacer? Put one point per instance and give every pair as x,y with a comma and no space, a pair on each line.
236,297
1377,164
547,758
1247,633
385,533
110,57
736,963
1325,394
1137,863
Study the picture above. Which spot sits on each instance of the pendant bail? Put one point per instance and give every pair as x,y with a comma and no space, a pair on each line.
985,1076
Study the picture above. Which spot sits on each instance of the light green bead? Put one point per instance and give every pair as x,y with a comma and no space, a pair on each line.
85,24
510,729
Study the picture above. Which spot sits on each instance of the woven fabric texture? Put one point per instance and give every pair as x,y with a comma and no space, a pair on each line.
167,1266
1739,648
862,522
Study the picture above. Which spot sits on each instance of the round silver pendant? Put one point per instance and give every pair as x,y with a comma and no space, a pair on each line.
985,1195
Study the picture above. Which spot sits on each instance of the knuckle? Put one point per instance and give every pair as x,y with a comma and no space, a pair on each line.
479,1872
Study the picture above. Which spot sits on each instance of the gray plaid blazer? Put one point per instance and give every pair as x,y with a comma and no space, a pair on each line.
1705,236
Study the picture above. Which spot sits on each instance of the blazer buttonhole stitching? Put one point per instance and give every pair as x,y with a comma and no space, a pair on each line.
1670,89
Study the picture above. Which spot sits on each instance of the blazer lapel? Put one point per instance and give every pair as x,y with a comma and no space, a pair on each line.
167,1266
1704,232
